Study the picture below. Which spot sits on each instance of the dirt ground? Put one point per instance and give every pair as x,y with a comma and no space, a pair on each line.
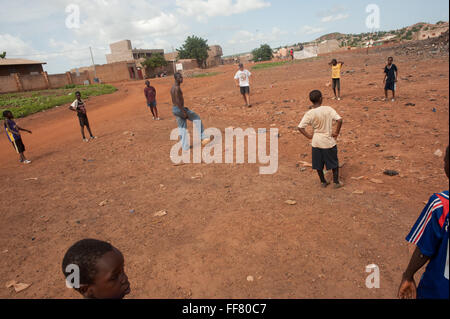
232,222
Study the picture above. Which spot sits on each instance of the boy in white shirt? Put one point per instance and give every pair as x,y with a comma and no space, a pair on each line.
242,79
324,148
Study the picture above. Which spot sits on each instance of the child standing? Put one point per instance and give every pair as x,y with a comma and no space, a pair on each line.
242,78
150,95
390,78
101,273
336,77
324,148
80,107
13,133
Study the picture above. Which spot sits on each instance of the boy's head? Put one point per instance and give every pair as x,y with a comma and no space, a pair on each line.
178,77
101,269
316,97
390,60
334,62
447,163
147,83
78,95
7,114
241,66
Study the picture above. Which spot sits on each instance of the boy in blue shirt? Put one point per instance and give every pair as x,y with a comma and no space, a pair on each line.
430,235
13,133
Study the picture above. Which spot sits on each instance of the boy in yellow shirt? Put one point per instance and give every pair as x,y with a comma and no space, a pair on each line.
336,77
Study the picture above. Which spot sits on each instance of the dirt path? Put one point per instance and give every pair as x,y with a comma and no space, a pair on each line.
233,222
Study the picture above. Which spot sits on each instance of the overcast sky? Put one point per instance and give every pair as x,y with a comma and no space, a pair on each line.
46,30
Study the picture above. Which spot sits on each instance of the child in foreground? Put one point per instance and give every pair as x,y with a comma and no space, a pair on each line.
101,270
13,133
324,148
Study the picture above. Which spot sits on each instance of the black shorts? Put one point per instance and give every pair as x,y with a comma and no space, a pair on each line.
337,83
83,120
245,90
322,157
18,146
390,86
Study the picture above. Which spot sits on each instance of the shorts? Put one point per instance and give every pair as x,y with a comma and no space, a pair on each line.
337,83
18,146
322,157
151,104
245,90
390,86
83,120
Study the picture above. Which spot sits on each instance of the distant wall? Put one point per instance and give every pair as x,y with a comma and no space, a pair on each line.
58,80
115,72
8,84
33,82
79,79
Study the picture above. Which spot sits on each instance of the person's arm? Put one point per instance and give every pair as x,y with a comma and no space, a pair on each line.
73,106
385,75
23,129
306,134
338,128
408,288
396,74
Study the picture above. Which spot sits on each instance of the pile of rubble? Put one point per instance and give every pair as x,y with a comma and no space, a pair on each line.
430,47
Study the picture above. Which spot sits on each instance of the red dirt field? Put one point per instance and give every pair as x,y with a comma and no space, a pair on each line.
232,222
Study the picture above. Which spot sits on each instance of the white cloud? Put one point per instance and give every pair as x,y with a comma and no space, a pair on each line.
14,46
243,36
311,30
203,9
337,17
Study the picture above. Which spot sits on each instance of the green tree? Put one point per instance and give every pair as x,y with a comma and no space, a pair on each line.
3,55
153,62
195,48
263,53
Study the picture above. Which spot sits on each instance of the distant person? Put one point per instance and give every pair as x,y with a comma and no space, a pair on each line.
291,52
182,113
13,134
150,95
80,107
242,79
430,235
390,78
324,148
101,270
336,68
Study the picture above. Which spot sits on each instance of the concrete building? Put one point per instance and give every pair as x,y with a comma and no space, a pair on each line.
20,66
431,32
214,56
123,52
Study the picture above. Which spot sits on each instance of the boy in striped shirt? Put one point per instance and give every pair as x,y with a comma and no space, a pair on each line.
430,235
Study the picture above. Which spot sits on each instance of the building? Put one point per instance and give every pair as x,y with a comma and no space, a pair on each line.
20,66
431,32
214,56
123,52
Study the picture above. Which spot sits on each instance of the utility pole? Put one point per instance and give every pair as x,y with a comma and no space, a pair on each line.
174,60
93,63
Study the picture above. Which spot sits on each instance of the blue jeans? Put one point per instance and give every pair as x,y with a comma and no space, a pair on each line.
182,124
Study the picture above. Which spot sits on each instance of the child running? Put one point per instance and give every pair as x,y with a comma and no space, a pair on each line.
150,95
336,77
13,133
242,78
324,148
80,107
390,78
100,268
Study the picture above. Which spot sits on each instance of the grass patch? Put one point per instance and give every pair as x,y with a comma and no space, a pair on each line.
269,65
25,103
204,75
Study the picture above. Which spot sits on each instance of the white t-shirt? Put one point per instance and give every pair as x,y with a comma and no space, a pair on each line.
321,119
244,77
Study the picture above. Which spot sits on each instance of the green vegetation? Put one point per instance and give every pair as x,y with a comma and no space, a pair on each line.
153,62
269,65
204,75
263,53
26,103
194,48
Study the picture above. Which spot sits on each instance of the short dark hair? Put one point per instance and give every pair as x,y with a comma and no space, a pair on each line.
241,65
315,96
334,60
447,154
390,58
6,113
85,254
177,73
77,92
